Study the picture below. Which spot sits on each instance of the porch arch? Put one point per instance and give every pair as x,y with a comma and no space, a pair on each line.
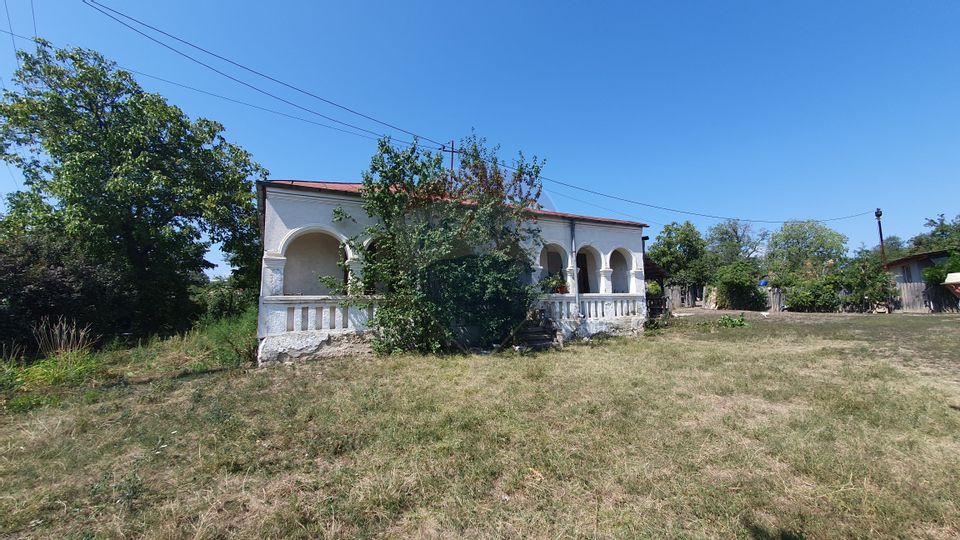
589,263
621,262
553,259
310,255
312,228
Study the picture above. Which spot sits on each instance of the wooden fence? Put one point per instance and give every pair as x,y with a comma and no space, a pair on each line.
678,296
774,299
914,298
921,298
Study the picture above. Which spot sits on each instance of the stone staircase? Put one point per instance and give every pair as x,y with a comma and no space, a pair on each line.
536,335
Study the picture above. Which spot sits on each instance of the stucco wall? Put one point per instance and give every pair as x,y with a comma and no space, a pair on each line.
309,256
291,213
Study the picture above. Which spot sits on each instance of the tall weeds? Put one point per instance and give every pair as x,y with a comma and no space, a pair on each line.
62,336
11,360
66,349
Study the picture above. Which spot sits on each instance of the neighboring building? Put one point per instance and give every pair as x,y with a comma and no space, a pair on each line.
909,269
605,275
915,295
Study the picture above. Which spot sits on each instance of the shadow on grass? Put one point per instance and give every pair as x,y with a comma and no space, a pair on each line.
759,532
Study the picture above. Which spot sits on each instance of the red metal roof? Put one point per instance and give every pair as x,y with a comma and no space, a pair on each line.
354,188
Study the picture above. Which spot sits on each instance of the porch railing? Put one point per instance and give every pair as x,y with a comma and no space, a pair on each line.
279,314
594,305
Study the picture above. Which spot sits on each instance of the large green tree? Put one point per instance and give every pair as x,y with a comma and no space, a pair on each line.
129,179
682,252
734,240
942,234
803,250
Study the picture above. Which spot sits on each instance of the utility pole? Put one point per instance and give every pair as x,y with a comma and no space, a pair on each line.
452,150
883,253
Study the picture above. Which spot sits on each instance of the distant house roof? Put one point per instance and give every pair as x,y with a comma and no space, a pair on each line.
917,257
354,188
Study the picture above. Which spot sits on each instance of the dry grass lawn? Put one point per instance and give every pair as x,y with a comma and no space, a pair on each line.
820,426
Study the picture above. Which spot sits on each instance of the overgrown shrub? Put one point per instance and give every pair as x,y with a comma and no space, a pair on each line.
815,295
937,274
222,298
66,347
737,287
63,368
658,323
44,276
62,336
11,361
865,282
232,341
447,249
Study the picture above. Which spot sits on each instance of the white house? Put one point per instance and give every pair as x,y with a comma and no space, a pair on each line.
601,259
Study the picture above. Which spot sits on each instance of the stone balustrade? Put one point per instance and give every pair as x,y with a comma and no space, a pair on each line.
330,314
295,313
594,306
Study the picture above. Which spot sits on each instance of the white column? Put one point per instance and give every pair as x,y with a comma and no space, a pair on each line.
638,286
571,280
271,282
354,276
606,284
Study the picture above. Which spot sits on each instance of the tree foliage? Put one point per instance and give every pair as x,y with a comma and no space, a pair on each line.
737,288
682,252
47,277
865,282
446,250
935,275
733,240
803,250
135,186
942,234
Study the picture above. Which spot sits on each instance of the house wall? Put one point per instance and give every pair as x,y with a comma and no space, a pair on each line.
309,256
915,296
598,241
301,240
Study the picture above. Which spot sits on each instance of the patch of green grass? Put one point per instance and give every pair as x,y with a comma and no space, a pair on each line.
68,368
781,429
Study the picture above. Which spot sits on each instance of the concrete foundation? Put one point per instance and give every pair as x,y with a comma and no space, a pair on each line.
313,345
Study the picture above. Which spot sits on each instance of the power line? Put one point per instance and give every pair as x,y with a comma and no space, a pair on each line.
691,213
10,25
255,106
234,100
33,13
553,180
676,210
94,4
239,81
624,214
3,84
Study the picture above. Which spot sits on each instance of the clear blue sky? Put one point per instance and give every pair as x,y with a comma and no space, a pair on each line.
767,110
